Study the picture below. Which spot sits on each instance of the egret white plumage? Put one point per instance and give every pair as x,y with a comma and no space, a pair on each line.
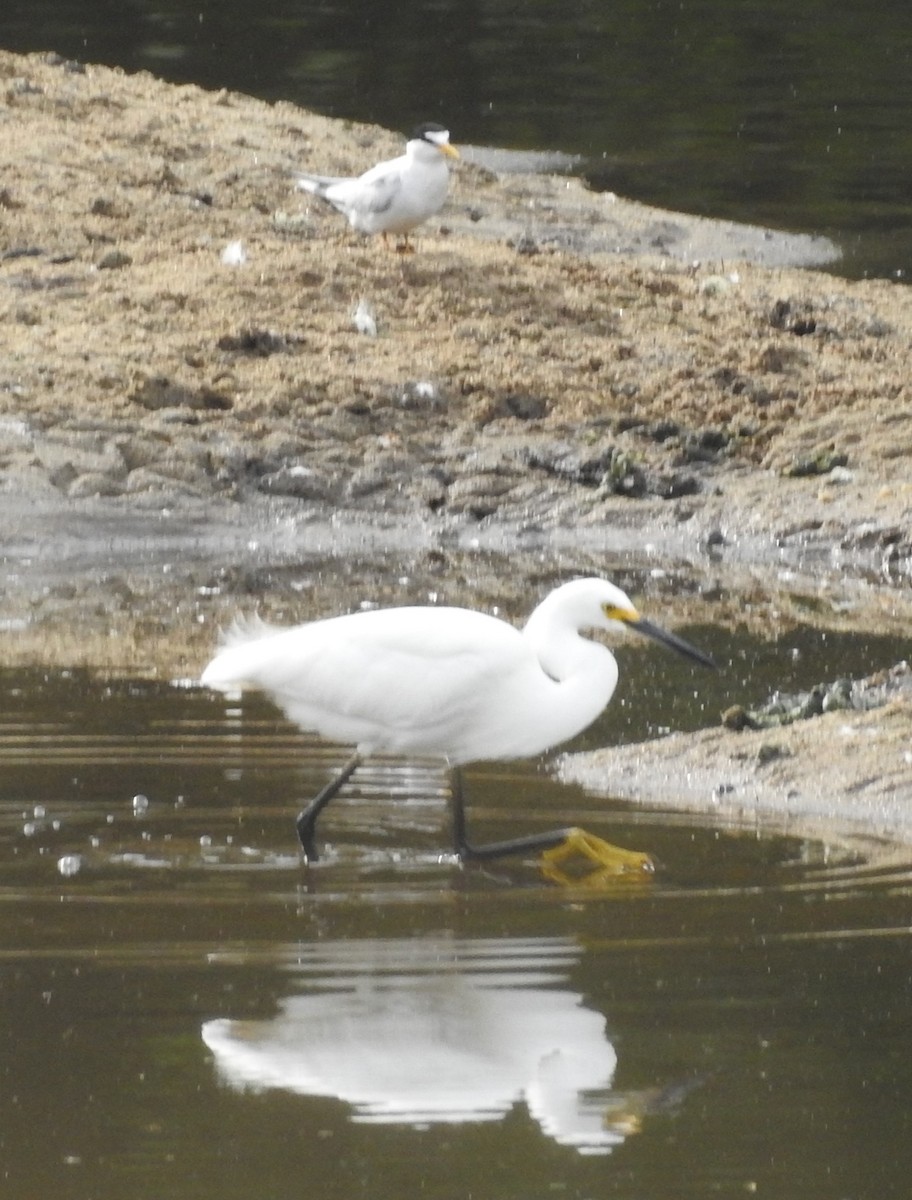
443,682
393,196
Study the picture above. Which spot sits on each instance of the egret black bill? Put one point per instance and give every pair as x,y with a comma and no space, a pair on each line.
672,641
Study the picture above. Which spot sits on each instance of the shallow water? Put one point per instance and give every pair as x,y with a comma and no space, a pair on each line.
190,1011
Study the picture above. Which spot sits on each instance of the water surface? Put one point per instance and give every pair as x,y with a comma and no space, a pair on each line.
190,1011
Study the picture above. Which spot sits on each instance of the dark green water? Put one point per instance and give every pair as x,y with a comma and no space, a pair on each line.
797,116
188,1011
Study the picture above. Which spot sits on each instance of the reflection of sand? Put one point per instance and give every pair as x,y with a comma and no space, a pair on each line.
424,1031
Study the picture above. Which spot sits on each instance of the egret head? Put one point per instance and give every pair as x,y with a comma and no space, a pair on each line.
620,611
617,609
598,604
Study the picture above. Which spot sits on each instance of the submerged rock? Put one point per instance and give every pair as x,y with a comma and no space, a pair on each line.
860,695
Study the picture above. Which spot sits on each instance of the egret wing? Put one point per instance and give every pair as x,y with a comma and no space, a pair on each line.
395,679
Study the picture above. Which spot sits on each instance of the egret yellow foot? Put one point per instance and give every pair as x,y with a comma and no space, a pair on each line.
583,857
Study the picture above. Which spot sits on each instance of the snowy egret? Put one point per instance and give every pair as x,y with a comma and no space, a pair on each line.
443,682
393,196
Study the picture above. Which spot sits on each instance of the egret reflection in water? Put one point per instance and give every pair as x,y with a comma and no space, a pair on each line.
427,1030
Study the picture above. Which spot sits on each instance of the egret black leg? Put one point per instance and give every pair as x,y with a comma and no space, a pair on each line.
558,848
307,820
467,852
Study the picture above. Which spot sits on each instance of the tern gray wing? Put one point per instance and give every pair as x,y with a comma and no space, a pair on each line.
317,184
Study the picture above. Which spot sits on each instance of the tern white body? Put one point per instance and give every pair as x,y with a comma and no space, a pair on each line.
394,196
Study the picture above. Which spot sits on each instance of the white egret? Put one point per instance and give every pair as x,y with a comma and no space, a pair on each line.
443,682
393,196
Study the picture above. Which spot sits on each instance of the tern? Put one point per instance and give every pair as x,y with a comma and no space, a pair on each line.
393,196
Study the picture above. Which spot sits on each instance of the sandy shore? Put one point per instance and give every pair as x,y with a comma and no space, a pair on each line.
558,377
